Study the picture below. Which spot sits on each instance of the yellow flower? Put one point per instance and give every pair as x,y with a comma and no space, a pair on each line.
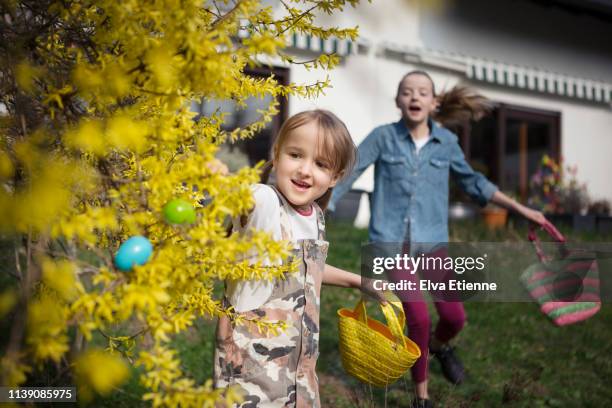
61,277
99,372
87,79
25,74
160,62
46,198
6,166
14,372
88,136
117,81
8,299
46,329
124,132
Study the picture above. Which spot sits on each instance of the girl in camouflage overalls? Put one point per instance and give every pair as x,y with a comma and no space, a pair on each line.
311,153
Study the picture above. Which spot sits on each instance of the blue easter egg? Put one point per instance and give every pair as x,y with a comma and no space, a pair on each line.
135,251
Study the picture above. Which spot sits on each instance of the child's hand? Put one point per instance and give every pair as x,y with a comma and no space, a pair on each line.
534,216
217,166
367,288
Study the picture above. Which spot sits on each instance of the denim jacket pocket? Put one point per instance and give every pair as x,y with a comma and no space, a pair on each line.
438,172
393,166
440,163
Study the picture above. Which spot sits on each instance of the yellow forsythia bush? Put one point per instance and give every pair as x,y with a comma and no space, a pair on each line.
96,137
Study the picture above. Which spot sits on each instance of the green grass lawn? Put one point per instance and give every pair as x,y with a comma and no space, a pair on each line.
514,356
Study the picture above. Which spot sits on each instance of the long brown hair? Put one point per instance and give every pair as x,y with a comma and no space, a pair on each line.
457,105
334,141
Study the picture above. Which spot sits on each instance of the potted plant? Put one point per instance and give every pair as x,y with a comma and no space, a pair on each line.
494,216
545,186
563,201
601,210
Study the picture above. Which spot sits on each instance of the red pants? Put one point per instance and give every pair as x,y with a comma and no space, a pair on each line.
451,313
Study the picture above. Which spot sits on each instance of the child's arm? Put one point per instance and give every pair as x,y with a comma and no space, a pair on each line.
503,200
338,277
482,190
249,294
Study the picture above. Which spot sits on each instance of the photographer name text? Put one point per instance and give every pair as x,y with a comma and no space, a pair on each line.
426,284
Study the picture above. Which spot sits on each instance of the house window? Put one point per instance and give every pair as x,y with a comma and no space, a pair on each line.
257,148
507,145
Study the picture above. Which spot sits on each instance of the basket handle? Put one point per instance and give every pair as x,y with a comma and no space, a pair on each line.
360,311
553,232
395,321
549,228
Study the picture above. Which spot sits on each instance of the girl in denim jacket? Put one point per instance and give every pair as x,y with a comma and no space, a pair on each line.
413,159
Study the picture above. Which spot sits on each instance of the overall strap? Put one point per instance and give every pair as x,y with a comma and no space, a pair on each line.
286,230
320,221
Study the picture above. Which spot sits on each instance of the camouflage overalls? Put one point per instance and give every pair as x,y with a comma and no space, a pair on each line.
279,371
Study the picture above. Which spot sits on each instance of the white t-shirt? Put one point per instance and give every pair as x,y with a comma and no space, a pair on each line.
247,295
420,142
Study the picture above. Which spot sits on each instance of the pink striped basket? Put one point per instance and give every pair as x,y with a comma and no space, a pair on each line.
567,287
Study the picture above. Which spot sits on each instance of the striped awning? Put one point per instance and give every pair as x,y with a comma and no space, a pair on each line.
539,81
341,48
509,75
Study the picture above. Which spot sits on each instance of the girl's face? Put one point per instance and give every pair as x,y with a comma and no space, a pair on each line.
303,174
416,99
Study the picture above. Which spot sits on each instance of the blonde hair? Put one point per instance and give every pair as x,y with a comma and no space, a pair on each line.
457,105
334,141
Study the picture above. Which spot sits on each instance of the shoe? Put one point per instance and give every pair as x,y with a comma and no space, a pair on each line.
421,403
451,366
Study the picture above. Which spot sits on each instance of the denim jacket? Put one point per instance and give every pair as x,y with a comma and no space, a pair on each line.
410,198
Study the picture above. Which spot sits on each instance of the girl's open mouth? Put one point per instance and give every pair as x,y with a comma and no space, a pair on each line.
300,184
414,108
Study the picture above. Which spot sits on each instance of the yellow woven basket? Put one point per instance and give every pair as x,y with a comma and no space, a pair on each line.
371,351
